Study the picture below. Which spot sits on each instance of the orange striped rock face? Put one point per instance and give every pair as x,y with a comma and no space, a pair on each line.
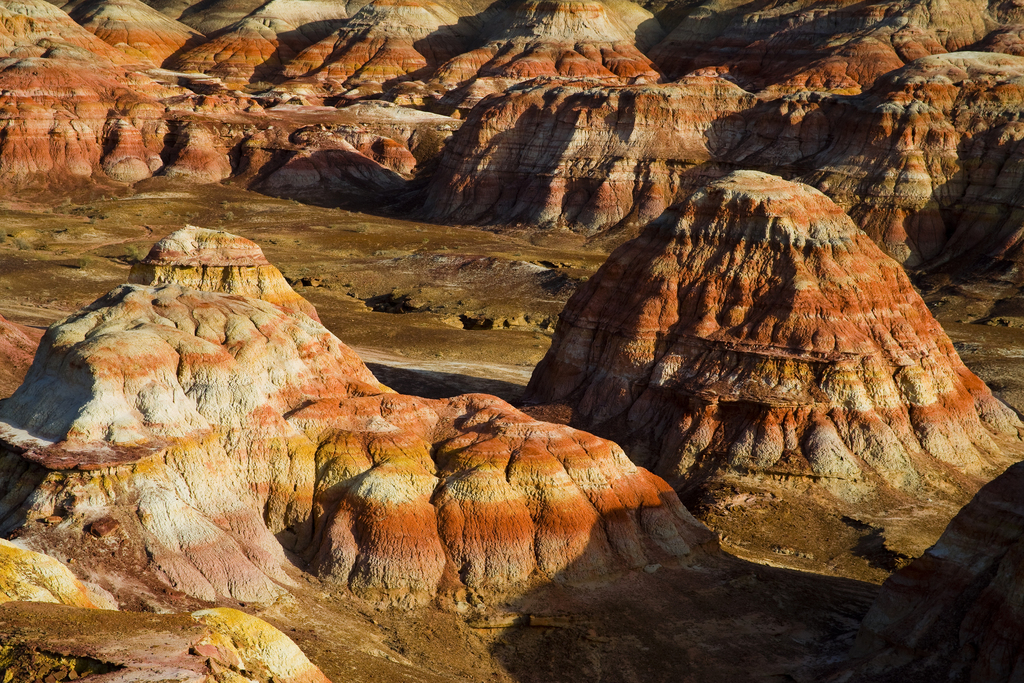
957,607
133,27
207,423
214,261
754,329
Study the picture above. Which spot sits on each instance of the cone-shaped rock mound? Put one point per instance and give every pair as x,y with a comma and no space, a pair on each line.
214,261
213,427
754,330
956,611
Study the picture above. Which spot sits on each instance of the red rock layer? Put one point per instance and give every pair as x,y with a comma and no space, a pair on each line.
258,46
583,156
549,38
133,27
384,41
754,329
956,611
213,261
17,346
835,46
233,420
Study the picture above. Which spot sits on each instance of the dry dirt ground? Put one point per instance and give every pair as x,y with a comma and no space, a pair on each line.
441,310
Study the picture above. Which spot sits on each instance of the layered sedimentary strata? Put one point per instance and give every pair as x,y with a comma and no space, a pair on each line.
40,641
384,41
581,155
956,610
258,46
754,330
17,346
234,420
830,46
214,261
133,27
552,38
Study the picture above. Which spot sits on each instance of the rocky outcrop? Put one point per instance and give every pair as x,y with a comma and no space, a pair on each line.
133,27
754,331
17,346
40,641
235,423
214,261
582,156
551,38
829,46
258,46
385,40
34,577
954,612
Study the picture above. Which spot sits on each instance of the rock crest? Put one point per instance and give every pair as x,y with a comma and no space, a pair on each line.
753,329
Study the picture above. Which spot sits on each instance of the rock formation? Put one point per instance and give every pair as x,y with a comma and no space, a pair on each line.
235,420
754,331
258,46
214,261
582,155
133,27
830,46
384,41
955,612
554,38
220,645
17,346
34,577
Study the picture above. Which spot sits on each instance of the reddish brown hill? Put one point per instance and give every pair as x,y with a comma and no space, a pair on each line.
956,612
136,29
234,421
753,334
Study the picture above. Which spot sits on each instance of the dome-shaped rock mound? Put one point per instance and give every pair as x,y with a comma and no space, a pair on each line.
956,612
235,425
753,331
215,261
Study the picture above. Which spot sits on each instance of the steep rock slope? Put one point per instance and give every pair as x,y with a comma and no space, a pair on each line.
383,41
258,46
582,155
133,27
66,95
17,346
817,46
956,612
552,38
235,420
753,331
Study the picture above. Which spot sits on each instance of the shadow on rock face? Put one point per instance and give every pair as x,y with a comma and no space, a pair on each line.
433,384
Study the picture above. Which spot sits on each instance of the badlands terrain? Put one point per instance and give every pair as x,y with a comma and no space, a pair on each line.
527,340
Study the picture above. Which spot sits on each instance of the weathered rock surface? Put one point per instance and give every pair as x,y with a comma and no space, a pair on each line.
258,46
17,346
220,645
214,261
581,155
34,577
384,41
133,27
233,420
753,331
831,46
956,612
552,38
